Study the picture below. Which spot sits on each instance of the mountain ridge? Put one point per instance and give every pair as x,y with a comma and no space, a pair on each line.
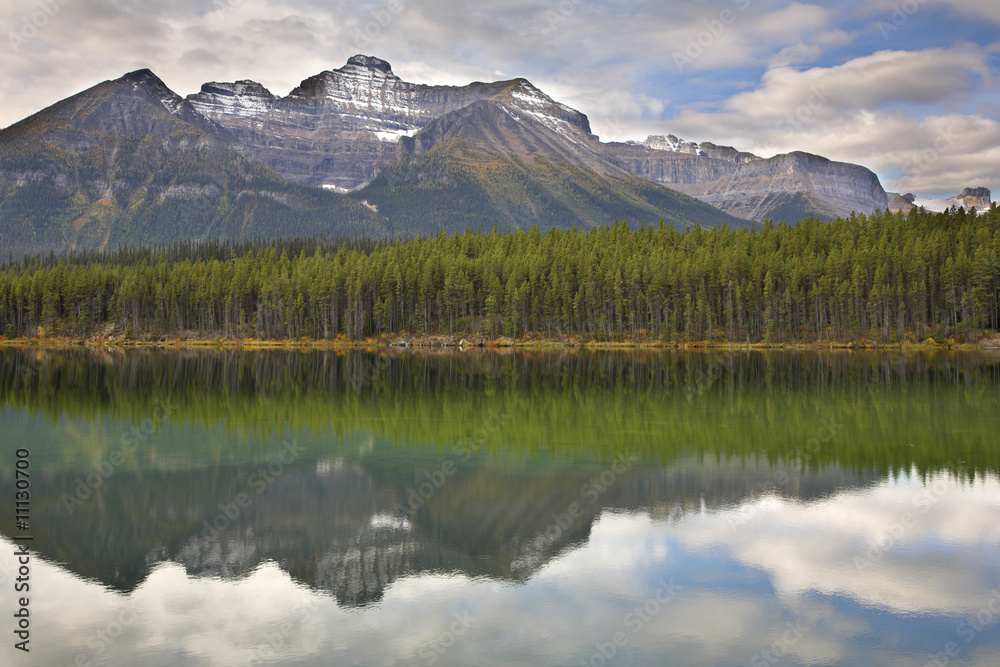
788,185
394,111
131,161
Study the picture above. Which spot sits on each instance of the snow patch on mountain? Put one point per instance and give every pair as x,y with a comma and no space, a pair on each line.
394,135
942,205
243,99
366,86
536,104
671,143
145,78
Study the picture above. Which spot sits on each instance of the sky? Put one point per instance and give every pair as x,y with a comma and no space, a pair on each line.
903,87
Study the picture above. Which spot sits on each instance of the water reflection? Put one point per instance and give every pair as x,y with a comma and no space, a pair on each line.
350,530
703,585
628,509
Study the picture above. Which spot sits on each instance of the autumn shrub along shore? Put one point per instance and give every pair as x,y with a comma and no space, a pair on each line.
867,280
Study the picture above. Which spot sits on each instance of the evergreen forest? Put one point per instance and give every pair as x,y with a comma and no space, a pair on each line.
884,278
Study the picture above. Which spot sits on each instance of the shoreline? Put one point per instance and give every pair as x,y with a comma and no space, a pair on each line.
457,343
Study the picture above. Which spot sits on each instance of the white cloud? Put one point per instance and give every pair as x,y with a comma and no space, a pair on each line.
987,9
827,546
900,12
866,83
869,110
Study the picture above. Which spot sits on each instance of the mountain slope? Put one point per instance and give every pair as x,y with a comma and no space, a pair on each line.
509,161
338,128
129,161
342,127
785,187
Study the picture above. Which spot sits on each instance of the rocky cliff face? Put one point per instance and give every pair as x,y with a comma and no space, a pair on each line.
520,159
785,187
339,128
129,162
898,202
973,198
518,120
342,127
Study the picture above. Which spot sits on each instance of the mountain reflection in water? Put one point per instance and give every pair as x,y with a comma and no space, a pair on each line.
322,508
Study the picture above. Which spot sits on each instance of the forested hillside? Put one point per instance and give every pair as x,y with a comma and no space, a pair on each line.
883,277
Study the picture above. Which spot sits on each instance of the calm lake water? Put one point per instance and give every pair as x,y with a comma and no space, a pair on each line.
604,508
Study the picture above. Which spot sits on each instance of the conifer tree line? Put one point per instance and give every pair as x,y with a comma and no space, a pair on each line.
883,277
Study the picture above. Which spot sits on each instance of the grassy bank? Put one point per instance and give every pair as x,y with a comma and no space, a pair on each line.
459,343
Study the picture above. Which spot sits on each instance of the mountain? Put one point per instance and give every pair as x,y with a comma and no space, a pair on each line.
356,151
784,187
904,203
974,198
338,128
129,161
519,158
977,199
443,157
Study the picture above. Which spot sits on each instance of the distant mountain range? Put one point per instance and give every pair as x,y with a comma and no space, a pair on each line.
971,199
784,187
358,152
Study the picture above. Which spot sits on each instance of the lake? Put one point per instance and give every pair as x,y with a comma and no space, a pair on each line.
503,508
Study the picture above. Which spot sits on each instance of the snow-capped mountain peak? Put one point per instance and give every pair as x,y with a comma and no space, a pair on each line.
145,79
368,62
673,144
241,99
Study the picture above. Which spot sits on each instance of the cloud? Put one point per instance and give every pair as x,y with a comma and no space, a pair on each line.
818,546
896,112
972,9
987,9
868,83
898,13
739,35
200,58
